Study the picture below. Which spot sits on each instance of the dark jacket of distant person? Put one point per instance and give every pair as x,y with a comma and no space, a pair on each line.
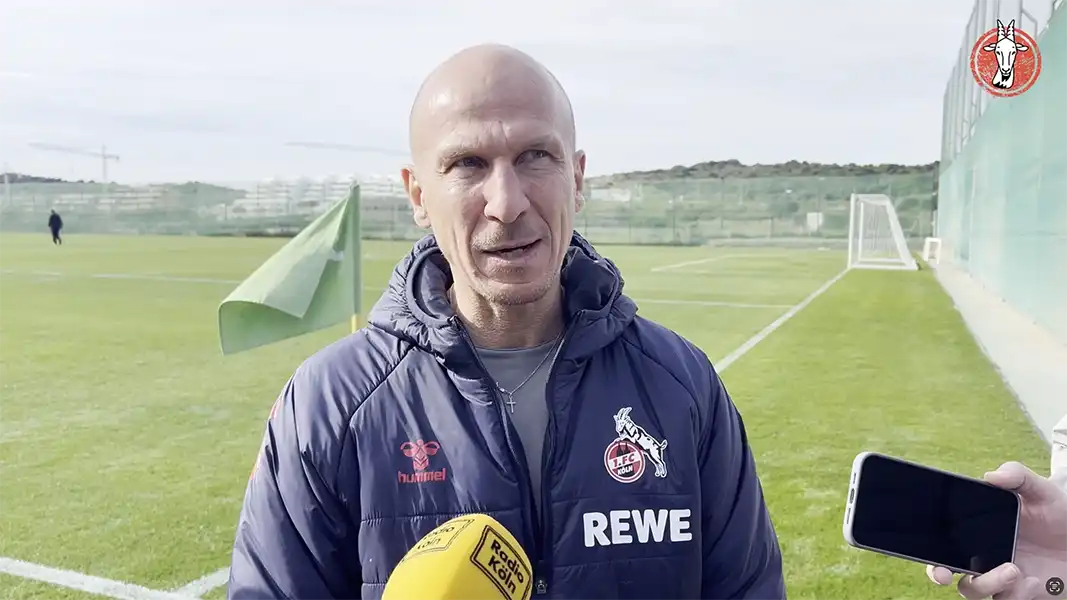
352,502
55,222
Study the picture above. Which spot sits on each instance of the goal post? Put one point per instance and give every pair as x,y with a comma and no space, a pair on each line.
875,238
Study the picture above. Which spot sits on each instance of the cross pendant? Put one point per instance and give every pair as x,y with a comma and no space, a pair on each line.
510,401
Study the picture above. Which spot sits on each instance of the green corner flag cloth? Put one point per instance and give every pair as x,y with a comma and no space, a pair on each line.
311,283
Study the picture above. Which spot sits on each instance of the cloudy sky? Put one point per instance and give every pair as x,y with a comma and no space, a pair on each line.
215,90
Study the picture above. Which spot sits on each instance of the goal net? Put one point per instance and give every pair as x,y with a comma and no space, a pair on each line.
875,238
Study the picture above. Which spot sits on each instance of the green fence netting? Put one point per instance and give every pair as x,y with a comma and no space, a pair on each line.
1002,211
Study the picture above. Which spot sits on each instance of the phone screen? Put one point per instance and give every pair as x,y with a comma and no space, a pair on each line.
933,517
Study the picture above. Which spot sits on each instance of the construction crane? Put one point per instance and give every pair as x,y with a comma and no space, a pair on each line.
102,155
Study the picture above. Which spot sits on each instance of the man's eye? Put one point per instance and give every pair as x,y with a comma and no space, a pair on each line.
468,162
536,154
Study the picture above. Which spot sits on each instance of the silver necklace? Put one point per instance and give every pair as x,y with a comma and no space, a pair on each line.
511,395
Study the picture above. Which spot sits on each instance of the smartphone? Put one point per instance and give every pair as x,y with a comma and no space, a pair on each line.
915,512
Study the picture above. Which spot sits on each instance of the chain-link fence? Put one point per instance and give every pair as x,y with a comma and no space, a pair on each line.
622,211
964,100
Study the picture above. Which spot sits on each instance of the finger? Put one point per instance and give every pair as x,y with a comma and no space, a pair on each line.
966,588
939,575
1030,588
1016,477
1033,588
987,584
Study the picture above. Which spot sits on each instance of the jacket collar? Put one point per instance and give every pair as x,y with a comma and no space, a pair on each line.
415,304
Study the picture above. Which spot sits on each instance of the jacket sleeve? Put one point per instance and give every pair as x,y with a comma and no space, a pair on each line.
295,539
742,558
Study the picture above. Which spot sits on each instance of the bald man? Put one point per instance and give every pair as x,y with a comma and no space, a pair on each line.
504,372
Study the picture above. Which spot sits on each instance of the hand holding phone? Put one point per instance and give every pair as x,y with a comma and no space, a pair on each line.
1040,567
923,514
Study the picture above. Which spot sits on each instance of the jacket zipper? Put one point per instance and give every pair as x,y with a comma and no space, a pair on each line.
532,530
541,569
539,533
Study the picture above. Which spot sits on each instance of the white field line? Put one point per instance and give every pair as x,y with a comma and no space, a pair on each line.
119,590
690,262
709,303
177,279
730,358
133,276
205,584
700,272
137,277
702,261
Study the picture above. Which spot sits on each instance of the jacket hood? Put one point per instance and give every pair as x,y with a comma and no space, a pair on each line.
415,305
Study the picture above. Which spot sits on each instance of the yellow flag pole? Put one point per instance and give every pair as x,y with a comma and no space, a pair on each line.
353,247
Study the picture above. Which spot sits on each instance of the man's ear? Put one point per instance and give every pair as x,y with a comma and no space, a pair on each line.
414,192
579,181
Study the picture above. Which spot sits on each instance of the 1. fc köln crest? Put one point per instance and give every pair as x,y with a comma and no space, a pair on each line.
627,456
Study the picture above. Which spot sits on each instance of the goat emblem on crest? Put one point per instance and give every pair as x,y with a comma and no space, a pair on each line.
1005,60
626,456
1005,50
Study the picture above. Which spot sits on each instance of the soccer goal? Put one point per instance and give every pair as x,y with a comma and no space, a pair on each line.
875,238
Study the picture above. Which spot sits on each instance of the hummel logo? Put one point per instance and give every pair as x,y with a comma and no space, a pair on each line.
420,452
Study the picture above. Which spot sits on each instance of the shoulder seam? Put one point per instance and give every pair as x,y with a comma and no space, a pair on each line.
662,366
350,417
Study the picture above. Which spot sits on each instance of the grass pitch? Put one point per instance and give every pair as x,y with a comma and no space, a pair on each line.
127,437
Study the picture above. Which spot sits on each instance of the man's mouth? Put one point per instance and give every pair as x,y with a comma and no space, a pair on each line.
512,250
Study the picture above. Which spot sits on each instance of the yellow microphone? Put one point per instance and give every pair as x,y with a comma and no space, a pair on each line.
467,558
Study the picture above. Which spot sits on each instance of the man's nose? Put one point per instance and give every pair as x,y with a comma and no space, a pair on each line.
505,199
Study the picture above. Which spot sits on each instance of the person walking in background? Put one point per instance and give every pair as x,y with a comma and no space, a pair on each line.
55,223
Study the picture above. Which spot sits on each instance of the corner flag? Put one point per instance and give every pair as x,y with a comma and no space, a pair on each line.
311,283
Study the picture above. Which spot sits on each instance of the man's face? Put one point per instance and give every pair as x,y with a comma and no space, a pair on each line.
498,181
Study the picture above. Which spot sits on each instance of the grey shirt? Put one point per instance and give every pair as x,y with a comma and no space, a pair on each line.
509,368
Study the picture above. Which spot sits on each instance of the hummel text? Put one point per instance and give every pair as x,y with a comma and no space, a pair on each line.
422,476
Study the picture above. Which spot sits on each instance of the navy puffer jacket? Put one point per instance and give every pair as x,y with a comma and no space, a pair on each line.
649,485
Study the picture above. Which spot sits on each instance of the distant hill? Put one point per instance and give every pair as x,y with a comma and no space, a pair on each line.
717,200
732,168
187,189
23,178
